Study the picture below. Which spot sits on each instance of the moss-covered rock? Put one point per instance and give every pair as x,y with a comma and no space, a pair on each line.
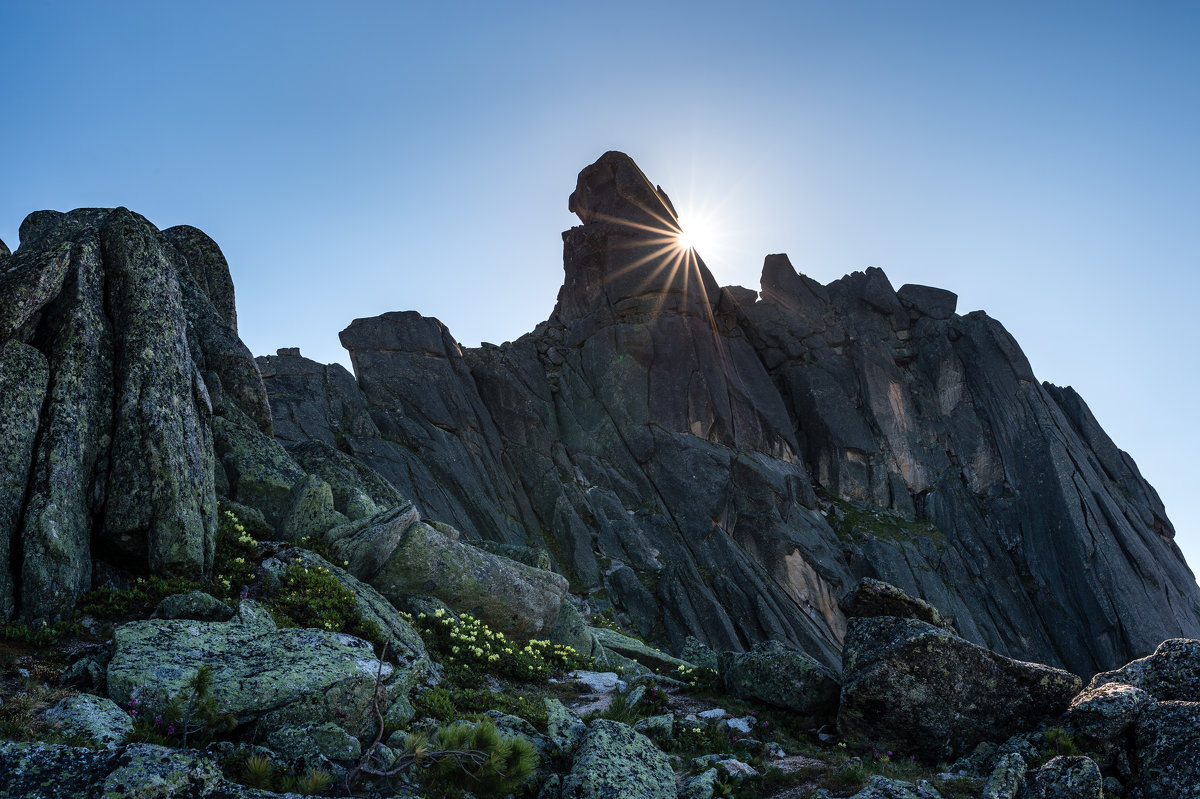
260,472
95,718
1007,778
774,673
310,509
614,760
358,490
312,745
24,374
507,596
919,689
195,605
279,677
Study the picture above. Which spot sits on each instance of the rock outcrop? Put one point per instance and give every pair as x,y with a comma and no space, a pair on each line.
725,463
918,689
115,363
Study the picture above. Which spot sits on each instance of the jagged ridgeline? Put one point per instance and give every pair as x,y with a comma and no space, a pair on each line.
709,461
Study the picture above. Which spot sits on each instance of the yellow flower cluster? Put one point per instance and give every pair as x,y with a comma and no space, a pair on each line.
467,643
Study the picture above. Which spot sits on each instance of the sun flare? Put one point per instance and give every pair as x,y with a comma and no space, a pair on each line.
695,235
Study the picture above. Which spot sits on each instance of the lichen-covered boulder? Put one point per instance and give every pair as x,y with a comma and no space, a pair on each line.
1171,673
508,596
310,509
1069,778
134,771
259,471
313,745
195,605
917,688
366,544
1167,749
774,673
358,490
615,761
869,598
24,374
96,718
278,677
28,282
1007,778
1106,712
564,729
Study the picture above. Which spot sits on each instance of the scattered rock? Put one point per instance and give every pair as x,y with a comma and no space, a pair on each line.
881,787
1068,778
614,760
101,721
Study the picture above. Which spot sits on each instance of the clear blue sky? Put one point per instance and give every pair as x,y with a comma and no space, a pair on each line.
352,158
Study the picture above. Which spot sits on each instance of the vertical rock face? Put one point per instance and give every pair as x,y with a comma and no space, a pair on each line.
113,362
724,463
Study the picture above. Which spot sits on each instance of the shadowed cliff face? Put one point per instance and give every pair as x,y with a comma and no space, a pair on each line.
723,463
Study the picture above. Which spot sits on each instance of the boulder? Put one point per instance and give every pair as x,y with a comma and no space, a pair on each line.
614,760
869,598
564,729
1167,749
1007,778
1068,778
358,490
135,771
1171,673
366,544
314,745
778,675
195,605
1106,712
28,281
24,374
509,597
276,677
259,471
98,719
928,301
919,689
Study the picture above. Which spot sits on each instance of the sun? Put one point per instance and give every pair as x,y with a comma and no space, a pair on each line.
695,235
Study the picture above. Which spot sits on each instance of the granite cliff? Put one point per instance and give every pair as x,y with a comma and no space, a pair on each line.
722,463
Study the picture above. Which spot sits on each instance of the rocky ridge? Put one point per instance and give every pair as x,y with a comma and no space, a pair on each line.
723,463
731,473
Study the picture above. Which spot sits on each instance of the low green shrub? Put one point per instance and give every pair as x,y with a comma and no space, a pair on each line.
311,596
471,756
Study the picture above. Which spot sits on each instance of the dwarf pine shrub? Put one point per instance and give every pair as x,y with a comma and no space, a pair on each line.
474,757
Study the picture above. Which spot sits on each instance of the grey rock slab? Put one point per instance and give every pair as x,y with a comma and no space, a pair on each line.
133,771
279,677
365,544
870,597
28,281
648,656
614,760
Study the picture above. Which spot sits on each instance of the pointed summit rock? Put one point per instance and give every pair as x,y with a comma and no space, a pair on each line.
626,261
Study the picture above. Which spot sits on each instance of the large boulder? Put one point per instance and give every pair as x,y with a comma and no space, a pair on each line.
615,761
506,595
277,677
1172,672
782,676
919,689
136,771
1167,748
1069,778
